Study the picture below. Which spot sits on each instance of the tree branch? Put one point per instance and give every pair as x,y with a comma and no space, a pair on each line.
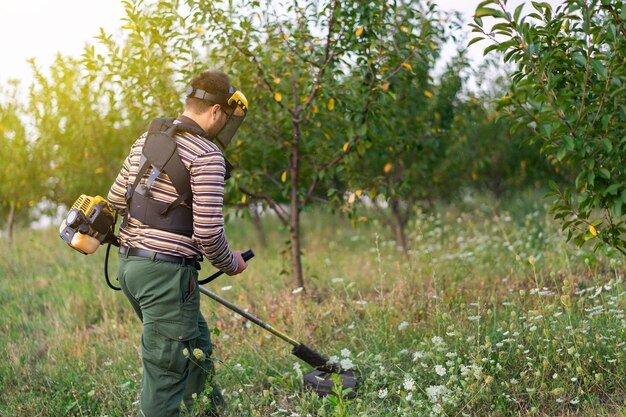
273,204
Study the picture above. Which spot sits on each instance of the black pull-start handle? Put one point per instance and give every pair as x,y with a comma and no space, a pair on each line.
247,255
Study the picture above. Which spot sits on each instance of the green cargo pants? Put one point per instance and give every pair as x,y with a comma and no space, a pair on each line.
175,341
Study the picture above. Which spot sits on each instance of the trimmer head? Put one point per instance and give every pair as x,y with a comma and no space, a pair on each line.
322,384
319,380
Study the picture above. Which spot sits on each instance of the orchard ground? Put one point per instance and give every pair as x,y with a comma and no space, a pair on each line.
492,314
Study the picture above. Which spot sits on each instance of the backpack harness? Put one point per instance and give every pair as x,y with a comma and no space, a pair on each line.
160,152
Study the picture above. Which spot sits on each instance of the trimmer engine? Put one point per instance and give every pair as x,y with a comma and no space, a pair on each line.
89,223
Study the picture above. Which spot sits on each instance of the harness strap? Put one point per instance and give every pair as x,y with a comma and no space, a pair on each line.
144,164
160,152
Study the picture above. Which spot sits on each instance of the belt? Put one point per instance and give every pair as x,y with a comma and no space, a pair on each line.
144,253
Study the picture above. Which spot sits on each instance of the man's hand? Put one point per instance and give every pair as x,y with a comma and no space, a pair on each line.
241,264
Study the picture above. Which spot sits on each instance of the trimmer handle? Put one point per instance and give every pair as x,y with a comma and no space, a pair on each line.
247,255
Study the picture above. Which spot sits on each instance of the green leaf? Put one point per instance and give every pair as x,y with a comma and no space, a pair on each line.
553,185
579,59
612,189
475,40
617,208
539,6
518,11
598,67
486,11
605,173
490,48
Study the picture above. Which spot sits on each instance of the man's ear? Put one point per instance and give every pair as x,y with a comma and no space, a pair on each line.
215,109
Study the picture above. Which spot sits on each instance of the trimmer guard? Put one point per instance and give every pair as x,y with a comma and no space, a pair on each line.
321,383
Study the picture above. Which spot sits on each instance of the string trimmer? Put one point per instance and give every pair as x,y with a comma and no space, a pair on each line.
91,221
318,380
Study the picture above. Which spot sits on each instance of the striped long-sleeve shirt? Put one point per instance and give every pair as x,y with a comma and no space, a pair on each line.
206,166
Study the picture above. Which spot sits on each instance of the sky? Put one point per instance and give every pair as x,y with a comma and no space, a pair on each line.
42,28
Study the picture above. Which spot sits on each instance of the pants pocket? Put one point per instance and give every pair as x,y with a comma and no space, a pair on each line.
164,344
190,295
188,286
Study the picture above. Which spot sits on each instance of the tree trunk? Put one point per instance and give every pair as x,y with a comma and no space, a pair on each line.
399,223
296,261
294,218
258,226
10,221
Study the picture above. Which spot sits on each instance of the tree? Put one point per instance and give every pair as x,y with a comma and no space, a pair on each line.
568,88
148,66
23,167
485,154
409,141
82,129
306,116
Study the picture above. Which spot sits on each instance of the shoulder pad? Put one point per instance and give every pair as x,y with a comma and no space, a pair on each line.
160,124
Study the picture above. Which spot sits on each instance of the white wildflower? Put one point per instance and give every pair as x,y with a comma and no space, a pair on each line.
403,325
437,341
440,370
346,353
346,364
437,409
382,393
336,280
199,354
409,384
418,355
434,392
296,367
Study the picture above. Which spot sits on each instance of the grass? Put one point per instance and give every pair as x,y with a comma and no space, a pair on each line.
493,314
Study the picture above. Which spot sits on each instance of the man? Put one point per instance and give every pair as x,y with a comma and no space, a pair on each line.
171,191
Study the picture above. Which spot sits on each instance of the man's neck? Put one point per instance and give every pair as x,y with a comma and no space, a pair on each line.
194,118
